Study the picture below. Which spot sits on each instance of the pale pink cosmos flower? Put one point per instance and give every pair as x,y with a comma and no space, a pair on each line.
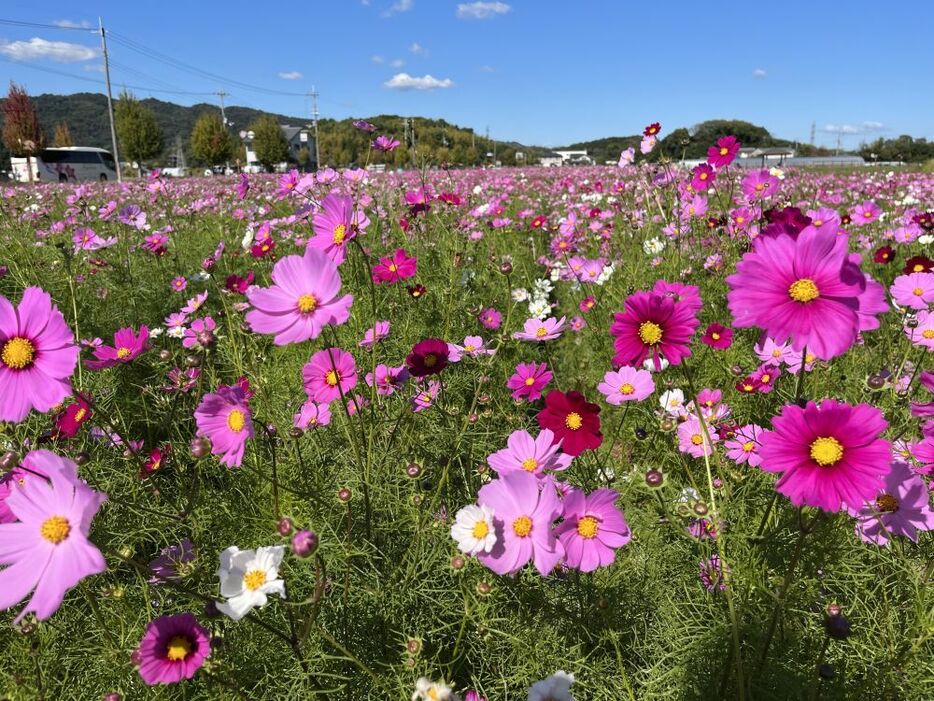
535,455
536,330
626,385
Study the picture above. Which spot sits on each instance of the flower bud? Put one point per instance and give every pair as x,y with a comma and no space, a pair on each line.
285,526
304,543
654,478
344,494
200,447
8,461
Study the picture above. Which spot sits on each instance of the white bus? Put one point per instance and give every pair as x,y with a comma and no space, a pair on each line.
70,164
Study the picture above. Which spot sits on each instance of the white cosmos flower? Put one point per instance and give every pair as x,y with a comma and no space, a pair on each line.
473,529
557,687
653,246
926,239
649,364
539,308
520,294
672,401
427,690
247,239
247,577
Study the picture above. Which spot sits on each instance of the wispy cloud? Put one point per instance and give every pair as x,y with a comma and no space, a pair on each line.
404,81
377,59
488,69
397,63
418,49
36,48
481,10
291,75
759,73
71,24
861,128
399,6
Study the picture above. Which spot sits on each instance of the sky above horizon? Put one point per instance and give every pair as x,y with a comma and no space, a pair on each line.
540,72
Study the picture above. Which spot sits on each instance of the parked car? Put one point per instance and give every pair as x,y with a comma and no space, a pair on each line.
66,164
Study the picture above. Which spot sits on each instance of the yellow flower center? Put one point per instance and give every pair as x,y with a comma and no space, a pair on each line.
541,331
529,464
529,381
748,446
715,336
724,150
818,222
18,353
55,529
80,414
765,379
650,333
703,176
236,420
392,267
917,268
917,291
123,352
626,388
760,187
254,579
803,290
470,348
307,303
697,439
178,648
522,526
430,360
587,527
480,530
928,333
826,451
886,504
332,377
340,233
573,421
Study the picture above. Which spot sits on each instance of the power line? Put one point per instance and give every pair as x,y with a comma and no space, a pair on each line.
39,25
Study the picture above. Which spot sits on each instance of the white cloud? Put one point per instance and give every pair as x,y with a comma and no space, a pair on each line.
291,75
404,81
60,51
873,126
481,10
853,128
70,24
397,63
759,73
399,6
93,68
377,59
418,49
488,69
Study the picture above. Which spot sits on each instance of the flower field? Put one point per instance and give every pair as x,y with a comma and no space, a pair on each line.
634,432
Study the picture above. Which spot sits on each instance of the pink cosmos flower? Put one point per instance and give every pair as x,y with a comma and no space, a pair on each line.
126,348
200,334
179,284
653,326
399,266
711,574
312,415
535,455
195,303
302,300
693,440
902,507
915,290
491,319
592,529
47,551
335,225
529,380
173,648
764,378
378,332
474,346
328,374
801,288
724,152
224,418
536,330
388,379
38,355
626,385
760,185
702,177
426,395
523,515
385,143
743,447
828,454
923,333
86,239
865,213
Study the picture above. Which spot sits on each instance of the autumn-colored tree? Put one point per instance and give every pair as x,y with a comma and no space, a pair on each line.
61,137
22,134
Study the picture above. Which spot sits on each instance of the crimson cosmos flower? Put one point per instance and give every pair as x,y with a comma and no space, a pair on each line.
573,420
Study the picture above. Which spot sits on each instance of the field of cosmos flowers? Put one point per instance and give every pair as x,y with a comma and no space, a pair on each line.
633,432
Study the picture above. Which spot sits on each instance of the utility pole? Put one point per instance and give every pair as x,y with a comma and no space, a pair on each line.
314,122
813,131
221,94
110,100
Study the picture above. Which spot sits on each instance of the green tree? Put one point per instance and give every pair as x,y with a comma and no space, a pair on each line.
139,134
269,142
22,134
211,143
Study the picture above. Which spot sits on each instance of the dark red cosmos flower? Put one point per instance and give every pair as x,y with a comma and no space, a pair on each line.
747,385
652,129
416,291
718,336
845,219
237,284
450,198
789,220
538,222
653,326
573,420
925,220
918,264
884,254
428,357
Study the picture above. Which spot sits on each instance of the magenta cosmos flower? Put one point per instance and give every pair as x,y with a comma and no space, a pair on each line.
801,288
915,290
302,301
652,326
328,374
523,515
173,648
535,455
626,385
829,454
702,176
592,529
717,336
38,355
536,330
724,152
126,348
399,266
573,420
428,357
47,549
224,417
529,380
336,225
901,508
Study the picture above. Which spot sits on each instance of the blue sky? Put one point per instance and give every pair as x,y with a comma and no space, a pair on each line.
537,71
